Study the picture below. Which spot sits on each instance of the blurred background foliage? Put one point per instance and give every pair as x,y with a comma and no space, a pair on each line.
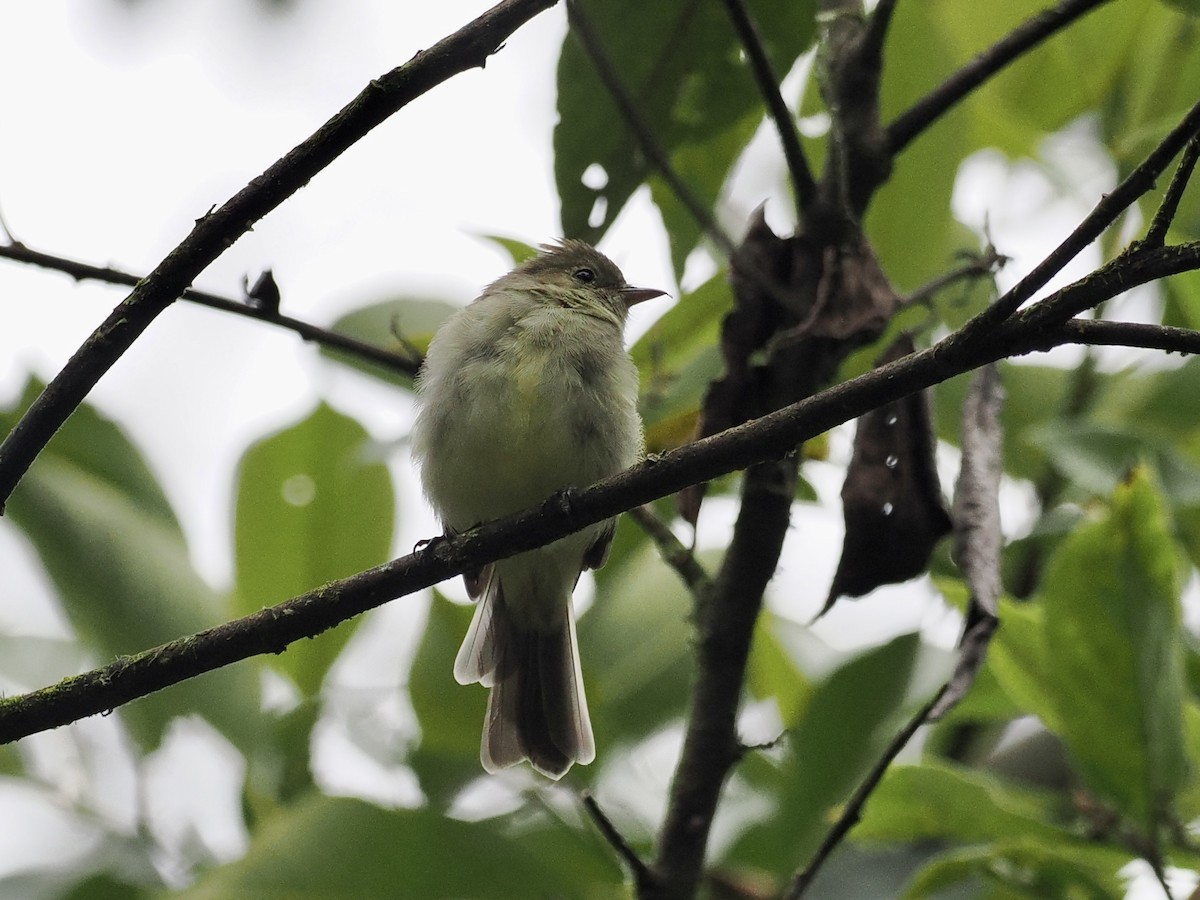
1074,756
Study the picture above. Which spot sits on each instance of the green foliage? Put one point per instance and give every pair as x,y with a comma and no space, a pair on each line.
677,358
695,89
335,847
403,325
1111,647
845,724
937,800
112,546
314,503
449,714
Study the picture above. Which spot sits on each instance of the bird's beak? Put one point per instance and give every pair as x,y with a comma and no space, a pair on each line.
634,295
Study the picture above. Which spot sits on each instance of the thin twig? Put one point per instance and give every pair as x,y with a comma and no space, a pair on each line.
987,263
406,364
771,436
642,876
215,231
1110,207
1156,234
852,811
1161,876
1101,333
803,183
7,232
877,28
1011,47
641,130
673,551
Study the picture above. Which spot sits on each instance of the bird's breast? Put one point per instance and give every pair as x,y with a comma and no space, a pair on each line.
532,414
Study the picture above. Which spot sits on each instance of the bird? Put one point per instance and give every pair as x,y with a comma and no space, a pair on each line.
525,393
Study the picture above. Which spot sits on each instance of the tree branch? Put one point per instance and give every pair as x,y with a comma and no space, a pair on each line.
773,436
214,232
641,130
1109,279
803,183
711,745
986,263
1156,234
1130,334
1111,205
81,271
672,551
877,29
1016,43
642,875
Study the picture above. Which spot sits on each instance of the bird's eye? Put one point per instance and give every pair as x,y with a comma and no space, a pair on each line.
585,275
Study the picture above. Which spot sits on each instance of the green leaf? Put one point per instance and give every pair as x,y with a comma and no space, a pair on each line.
1015,657
518,251
403,325
635,646
773,672
112,547
314,503
450,714
677,359
326,847
694,89
107,886
1084,62
851,716
1097,457
942,801
99,448
1163,403
1027,869
284,771
1113,655
909,220
689,327
1187,805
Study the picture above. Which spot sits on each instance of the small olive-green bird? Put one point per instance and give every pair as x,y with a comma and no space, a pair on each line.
524,393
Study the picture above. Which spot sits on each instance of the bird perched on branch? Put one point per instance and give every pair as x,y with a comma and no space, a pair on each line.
526,392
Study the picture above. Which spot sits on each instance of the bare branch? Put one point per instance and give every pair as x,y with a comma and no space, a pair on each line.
1130,334
642,876
641,129
7,232
1156,234
80,271
877,28
1011,47
768,86
986,263
672,551
1110,207
1108,281
214,232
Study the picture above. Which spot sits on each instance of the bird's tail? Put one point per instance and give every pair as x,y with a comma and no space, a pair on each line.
537,709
